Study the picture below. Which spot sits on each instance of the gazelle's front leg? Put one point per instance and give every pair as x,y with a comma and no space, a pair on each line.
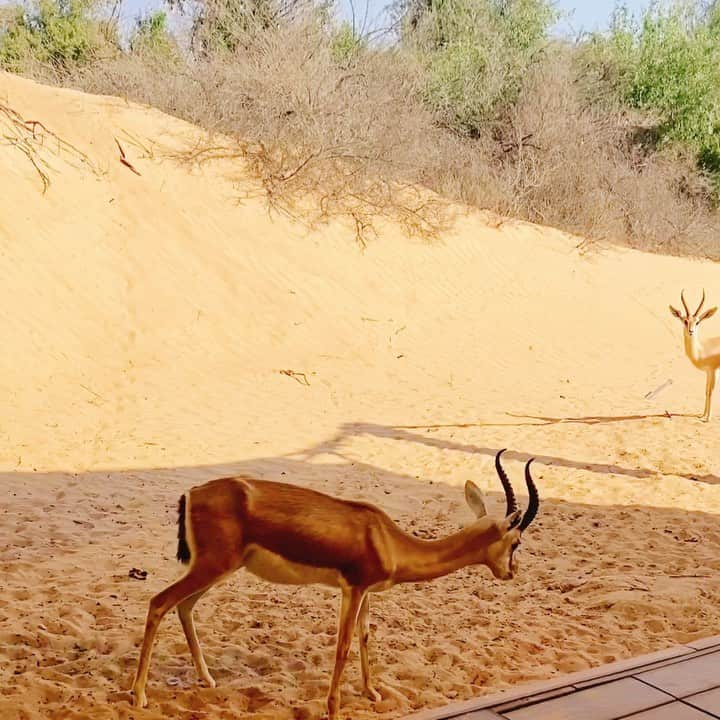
363,634
350,607
709,387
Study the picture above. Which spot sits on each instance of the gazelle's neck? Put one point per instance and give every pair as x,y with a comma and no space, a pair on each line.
428,559
693,346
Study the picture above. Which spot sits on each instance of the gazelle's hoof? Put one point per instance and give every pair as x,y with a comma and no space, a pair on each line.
208,681
139,699
373,694
332,708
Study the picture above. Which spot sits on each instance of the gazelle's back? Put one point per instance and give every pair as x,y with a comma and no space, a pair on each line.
301,525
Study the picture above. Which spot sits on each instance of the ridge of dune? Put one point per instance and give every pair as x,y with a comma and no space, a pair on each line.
146,319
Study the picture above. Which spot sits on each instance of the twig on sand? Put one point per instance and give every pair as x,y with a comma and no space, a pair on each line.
137,143
124,160
92,392
650,395
676,577
298,376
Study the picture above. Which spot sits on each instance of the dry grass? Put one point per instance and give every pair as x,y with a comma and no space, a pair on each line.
566,164
355,138
37,143
343,135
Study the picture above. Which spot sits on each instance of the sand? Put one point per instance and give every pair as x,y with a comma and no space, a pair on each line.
145,322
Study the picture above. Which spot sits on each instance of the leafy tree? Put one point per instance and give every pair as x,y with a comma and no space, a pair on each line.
58,33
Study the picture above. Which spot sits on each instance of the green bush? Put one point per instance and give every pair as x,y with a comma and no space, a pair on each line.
608,61
151,38
668,65
57,33
476,54
228,26
346,44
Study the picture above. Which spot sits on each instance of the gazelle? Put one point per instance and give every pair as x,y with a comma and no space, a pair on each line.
292,535
703,355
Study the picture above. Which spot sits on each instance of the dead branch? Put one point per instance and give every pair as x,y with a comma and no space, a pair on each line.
134,140
28,152
515,145
289,179
693,577
291,174
123,159
650,395
297,376
28,136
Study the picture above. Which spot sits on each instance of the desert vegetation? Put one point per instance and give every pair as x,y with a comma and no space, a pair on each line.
614,135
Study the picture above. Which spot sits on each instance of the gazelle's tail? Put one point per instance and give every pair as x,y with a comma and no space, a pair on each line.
183,549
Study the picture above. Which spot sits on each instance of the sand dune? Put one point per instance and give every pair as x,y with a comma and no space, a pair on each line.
146,319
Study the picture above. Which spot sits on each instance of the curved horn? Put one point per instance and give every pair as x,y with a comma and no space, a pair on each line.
702,302
534,502
682,297
512,505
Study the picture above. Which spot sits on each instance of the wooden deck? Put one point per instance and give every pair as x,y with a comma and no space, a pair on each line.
680,683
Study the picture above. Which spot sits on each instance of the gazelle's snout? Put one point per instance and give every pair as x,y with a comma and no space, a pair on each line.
502,573
512,565
508,573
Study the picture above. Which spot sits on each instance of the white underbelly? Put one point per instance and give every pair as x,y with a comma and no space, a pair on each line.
276,569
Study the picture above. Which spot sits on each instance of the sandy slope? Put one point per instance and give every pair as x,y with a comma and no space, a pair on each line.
144,322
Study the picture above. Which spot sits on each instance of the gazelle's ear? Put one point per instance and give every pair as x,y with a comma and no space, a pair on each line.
675,312
707,314
474,498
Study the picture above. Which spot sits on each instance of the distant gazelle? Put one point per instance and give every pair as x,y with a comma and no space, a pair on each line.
704,355
292,535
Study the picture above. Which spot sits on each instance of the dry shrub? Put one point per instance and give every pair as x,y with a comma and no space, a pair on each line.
565,163
352,138
345,134
38,143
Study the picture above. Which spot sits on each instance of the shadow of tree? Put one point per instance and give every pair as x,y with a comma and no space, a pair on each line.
541,420
400,432
600,419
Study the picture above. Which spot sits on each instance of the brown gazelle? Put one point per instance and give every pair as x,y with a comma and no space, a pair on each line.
704,355
288,534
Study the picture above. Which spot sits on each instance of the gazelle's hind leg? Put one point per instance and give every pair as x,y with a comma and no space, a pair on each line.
185,613
349,609
363,623
198,579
